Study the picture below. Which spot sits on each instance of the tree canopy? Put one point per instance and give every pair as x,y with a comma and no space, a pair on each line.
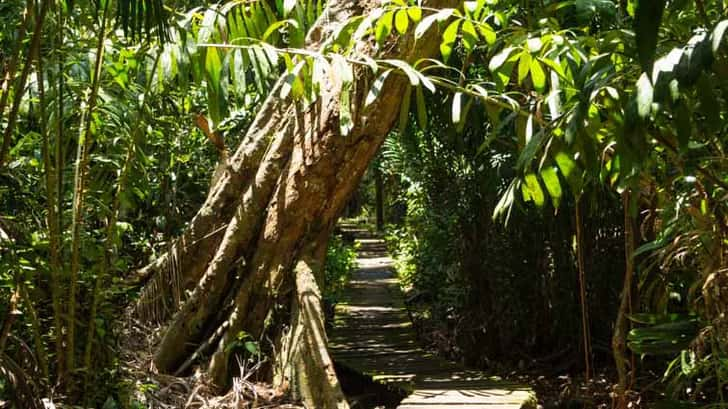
183,164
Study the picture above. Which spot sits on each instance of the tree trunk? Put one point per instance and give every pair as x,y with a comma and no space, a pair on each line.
260,237
619,338
379,197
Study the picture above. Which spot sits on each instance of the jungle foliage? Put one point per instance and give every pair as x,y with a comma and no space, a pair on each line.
558,176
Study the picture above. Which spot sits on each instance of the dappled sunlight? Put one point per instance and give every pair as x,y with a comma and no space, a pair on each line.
373,335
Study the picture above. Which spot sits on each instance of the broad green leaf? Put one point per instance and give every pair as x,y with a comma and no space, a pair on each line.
401,21
457,101
213,66
445,51
534,189
414,13
718,34
553,185
524,66
451,32
499,59
383,27
421,107
487,32
411,73
571,171
445,14
288,6
470,37
207,27
404,110
555,67
346,75
293,84
645,95
376,88
505,204
538,76
502,66
534,44
424,25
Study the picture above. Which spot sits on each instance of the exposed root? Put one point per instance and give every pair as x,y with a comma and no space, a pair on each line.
160,391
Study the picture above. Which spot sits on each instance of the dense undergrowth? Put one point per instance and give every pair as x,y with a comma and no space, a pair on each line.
507,298
556,192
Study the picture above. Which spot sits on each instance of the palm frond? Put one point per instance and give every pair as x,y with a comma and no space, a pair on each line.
143,18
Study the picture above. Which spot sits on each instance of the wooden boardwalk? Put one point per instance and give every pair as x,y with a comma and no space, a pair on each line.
373,335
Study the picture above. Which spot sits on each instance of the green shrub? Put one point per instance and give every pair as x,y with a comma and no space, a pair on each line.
340,263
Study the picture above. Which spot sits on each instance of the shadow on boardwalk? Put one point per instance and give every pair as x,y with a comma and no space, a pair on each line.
373,336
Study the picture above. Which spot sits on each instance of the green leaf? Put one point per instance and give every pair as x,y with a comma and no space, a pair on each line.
644,97
451,32
383,27
376,88
424,25
538,76
571,171
505,204
421,108
445,51
293,84
534,189
415,13
457,101
343,69
470,36
487,32
502,66
401,21
411,73
524,66
499,59
718,34
448,39
553,186
404,110
647,24
534,44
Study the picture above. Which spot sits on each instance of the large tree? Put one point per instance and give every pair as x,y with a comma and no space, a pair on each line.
260,237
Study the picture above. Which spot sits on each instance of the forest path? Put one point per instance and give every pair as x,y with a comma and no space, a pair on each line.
373,335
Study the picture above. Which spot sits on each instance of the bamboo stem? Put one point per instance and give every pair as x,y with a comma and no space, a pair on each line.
586,336
79,188
9,74
20,86
619,339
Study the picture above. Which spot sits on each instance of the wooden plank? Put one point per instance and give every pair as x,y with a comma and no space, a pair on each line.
373,335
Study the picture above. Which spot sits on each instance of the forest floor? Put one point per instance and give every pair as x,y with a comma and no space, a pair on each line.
147,388
558,384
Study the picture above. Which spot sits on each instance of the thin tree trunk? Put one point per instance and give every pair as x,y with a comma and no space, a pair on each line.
20,85
585,327
54,236
12,66
619,339
84,143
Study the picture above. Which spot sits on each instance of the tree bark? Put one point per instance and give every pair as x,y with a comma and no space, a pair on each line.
619,338
265,225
